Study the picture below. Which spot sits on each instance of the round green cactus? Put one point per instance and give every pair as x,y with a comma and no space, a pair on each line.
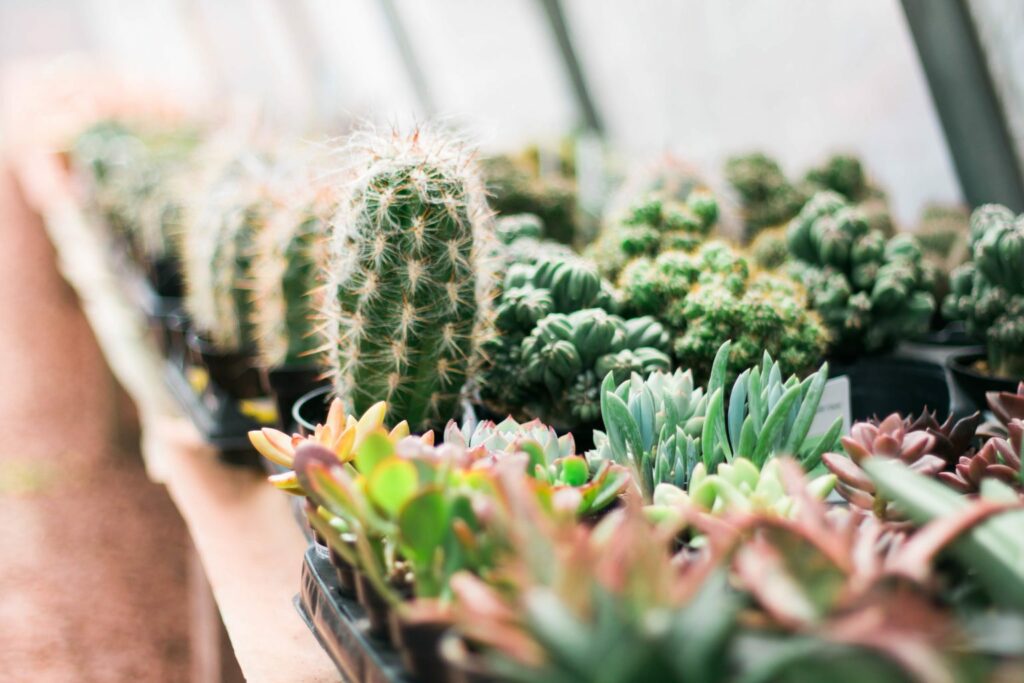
871,293
286,285
767,198
407,286
709,296
220,243
988,291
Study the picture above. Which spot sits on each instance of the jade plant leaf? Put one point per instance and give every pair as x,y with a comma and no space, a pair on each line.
376,448
391,484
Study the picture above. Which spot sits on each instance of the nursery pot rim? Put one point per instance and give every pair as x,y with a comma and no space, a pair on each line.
306,398
963,362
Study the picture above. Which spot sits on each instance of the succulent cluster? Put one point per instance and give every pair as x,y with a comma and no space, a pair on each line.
988,291
940,233
220,245
870,292
672,434
287,285
711,295
407,285
557,337
653,225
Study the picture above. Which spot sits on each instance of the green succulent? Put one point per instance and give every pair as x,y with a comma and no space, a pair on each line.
664,427
654,225
769,250
516,188
710,295
407,290
870,292
766,196
988,291
843,174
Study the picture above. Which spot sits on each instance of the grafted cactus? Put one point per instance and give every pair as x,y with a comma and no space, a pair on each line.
220,244
407,288
287,285
988,291
870,292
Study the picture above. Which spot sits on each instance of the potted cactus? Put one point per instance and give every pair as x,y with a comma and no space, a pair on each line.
219,249
407,287
767,198
287,284
988,293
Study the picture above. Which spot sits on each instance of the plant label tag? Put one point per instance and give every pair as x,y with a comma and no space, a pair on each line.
835,402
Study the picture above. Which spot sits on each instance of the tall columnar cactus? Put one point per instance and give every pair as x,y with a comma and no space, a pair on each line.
988,291
287,284
871,292
407,287
766,195
220,244
710,295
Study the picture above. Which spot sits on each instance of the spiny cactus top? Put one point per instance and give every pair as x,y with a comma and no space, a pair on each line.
988,291
287,277
710,295
220,243
407,286
871,292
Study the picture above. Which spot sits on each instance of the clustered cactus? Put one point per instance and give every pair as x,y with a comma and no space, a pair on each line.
870,292
556,337
653,225
766,196
711,295
287,279
517,186
220,248
407,287
988,291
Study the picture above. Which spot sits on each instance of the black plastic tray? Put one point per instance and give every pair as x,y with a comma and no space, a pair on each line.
216,417
340,626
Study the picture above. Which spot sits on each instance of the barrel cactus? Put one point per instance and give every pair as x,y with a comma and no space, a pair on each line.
988,291
709,296
871,292
220,245
557,336
408,289
286,284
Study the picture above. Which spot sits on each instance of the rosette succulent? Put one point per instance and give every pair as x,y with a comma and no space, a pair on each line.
710,295
663,428
988,291
557,337
870,292
407,290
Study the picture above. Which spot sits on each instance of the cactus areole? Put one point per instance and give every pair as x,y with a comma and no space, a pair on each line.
406,289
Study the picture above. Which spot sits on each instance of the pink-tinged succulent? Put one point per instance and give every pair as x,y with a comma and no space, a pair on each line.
341,434
953,438
999,458
890,438
1006,406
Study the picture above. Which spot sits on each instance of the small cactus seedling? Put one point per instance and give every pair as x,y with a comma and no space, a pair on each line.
407,289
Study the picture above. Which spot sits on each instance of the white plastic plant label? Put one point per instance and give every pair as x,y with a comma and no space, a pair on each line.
835,402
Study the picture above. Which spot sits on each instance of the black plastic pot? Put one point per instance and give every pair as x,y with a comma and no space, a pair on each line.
311,409
165,276
463,664
377,609
880,385
288,384
972,383
233,372
418,643
345,572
